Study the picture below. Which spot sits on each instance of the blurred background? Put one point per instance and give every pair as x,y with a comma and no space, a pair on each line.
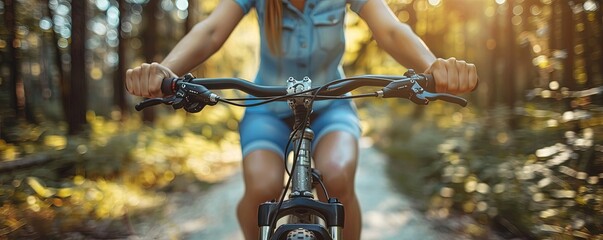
523,160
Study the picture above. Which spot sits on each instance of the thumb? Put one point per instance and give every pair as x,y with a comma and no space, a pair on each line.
158,74
438,70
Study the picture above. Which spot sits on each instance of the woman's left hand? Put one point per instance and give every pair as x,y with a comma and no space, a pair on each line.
453,76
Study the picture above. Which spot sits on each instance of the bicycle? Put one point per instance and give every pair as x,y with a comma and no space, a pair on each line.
193,94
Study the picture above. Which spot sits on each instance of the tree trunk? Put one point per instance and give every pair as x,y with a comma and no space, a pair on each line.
598,28
496,56
190,21
567,43
589,48
509,74
150,46
77,87
119,97
57,55
14,62
489,57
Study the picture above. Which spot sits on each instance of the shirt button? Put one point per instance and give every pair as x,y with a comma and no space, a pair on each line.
311,5
303,45
302,65
332,18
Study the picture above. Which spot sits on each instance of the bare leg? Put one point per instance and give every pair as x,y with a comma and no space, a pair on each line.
336,157
263,172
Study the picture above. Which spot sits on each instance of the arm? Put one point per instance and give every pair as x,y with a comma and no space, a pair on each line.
200,43
204,39
398,40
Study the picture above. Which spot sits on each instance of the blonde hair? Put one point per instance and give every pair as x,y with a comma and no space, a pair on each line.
273,25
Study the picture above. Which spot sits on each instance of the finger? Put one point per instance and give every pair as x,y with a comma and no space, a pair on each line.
128,82
473,78
435,69
156,77
463,76
440,75
136,81
144,80
453,75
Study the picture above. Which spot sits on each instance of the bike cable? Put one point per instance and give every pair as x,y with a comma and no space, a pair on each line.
271,99
296,153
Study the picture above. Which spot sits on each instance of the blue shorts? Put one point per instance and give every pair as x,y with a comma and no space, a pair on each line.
262,130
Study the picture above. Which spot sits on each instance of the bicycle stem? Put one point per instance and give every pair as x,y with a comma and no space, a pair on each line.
302,172
302,140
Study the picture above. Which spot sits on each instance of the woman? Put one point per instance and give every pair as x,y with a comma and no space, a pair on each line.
300,38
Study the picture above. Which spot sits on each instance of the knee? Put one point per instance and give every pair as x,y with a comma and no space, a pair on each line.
263,175
339,183
263,187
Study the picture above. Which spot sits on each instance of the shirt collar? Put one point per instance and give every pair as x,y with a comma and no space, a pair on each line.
288,4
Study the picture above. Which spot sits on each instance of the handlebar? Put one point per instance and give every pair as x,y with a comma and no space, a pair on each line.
194,93
169,86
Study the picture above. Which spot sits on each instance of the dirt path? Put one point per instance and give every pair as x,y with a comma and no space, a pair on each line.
211,215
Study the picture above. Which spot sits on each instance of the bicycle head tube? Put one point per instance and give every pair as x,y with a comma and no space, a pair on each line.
302,138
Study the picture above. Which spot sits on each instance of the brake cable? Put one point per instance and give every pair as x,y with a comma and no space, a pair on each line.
296,153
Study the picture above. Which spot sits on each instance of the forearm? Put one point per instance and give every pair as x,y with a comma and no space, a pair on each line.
204,39
192,50
398,39
406,47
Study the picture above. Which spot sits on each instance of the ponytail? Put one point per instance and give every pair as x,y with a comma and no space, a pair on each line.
273,25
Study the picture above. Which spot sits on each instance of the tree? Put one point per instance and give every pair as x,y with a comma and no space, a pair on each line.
75,99
149,45
119,99
11,24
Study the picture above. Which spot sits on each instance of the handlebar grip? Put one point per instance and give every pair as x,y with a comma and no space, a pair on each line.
167,86
428,83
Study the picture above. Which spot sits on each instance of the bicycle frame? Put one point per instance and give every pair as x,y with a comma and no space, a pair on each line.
301,200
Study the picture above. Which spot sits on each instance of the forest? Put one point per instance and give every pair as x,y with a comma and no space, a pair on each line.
523,161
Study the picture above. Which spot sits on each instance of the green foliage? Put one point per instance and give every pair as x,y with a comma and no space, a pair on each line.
541,180
114,171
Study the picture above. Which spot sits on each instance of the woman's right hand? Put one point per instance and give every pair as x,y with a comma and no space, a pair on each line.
145,80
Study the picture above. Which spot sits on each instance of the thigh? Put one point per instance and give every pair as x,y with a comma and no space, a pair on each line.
336,146
263,131
340,116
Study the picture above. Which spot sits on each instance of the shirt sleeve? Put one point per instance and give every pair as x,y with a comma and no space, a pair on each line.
246,5
356,5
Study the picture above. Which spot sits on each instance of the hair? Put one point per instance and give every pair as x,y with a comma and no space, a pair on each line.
273,25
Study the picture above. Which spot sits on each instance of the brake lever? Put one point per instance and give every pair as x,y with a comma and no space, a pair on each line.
412,90
425,96
154,101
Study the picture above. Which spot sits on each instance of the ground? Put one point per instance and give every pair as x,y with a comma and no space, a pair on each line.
210,214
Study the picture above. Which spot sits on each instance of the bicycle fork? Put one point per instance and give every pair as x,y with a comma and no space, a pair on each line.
301,199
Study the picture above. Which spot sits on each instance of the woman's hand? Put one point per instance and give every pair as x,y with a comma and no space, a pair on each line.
145,80
453,76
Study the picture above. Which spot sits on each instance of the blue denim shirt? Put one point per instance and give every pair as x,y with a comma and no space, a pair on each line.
313,44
